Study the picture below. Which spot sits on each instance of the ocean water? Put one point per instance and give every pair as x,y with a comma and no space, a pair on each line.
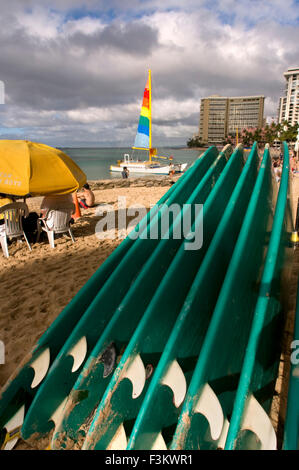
95,162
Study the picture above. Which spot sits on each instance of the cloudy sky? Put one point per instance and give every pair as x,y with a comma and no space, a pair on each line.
74,71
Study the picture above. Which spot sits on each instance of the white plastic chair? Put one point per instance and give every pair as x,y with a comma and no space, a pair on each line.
56,221
12,226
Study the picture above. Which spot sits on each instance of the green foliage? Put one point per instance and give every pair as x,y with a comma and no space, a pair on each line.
195,142
268,134
265,135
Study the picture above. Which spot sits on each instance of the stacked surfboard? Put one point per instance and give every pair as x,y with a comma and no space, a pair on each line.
168,346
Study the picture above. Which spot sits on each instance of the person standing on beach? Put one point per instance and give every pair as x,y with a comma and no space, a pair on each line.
293,163
125,172
277,171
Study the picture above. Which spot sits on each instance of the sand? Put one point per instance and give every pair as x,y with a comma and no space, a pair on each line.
35,286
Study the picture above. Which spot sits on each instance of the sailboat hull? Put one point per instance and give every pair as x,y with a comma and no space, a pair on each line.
148,169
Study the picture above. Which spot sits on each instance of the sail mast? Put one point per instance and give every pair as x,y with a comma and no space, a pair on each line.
150,113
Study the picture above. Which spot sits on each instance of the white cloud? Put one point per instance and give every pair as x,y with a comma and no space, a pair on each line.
69,76
85,25
40,23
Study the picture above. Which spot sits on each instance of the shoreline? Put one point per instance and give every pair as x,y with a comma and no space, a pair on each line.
135,182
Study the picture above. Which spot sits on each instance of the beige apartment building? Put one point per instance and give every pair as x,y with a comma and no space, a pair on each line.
221,116
289,104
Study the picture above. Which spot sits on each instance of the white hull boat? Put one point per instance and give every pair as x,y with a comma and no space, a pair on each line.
147,167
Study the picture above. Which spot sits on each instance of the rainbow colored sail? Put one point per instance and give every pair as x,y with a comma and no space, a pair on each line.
143,136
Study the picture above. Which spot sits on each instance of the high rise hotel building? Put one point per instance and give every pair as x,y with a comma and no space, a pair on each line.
221,116
289,104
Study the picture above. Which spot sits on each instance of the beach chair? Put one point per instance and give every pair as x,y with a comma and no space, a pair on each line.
56,221
12,226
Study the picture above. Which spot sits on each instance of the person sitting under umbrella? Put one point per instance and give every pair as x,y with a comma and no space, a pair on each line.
55,202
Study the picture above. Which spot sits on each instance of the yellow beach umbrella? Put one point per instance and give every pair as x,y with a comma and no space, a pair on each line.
37,169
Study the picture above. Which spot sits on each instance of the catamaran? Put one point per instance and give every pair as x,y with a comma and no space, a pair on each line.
143,143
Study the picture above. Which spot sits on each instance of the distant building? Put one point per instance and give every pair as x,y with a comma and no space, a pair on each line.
213,119
289,104
220,116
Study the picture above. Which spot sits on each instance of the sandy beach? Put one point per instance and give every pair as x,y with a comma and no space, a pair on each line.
36,286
